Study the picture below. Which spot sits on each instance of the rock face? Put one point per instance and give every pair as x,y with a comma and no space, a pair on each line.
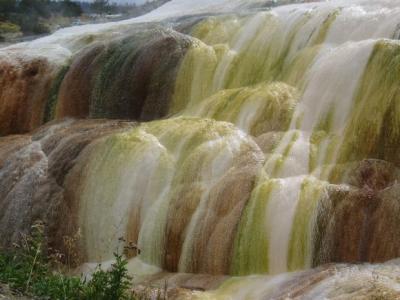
128,78
359,224
25,86
33,172
325,282
169,165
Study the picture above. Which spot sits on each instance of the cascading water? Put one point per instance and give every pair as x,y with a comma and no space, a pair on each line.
184,163
272,145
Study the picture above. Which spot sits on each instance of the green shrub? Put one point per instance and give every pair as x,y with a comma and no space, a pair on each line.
28,270
111,284
7,27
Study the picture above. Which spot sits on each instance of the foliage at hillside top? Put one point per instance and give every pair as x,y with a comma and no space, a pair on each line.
32,17
29,16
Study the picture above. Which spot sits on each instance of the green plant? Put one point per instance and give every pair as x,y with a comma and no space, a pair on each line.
7,27
111,284
28,269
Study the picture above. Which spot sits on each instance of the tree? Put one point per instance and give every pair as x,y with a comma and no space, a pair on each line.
70,9
41,8
7,7
101,6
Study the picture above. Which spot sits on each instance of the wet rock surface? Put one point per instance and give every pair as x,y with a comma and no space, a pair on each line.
331,281
33,172
359,222
129,78
25,87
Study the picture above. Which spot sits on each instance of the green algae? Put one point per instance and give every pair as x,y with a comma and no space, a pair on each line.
137,74
251,243
171,165
51,104
195,76
301,242
227,59
218,30
374,122
280,161
256,110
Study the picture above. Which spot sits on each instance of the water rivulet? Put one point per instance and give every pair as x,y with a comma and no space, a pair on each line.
246,142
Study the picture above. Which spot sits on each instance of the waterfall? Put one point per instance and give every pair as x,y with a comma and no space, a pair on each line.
184,163
255,142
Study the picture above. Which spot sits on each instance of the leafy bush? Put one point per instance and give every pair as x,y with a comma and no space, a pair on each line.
111,284
28,270
30,23
7,27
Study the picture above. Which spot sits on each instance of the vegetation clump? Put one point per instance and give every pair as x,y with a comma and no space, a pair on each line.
33,16
29,270
37,17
